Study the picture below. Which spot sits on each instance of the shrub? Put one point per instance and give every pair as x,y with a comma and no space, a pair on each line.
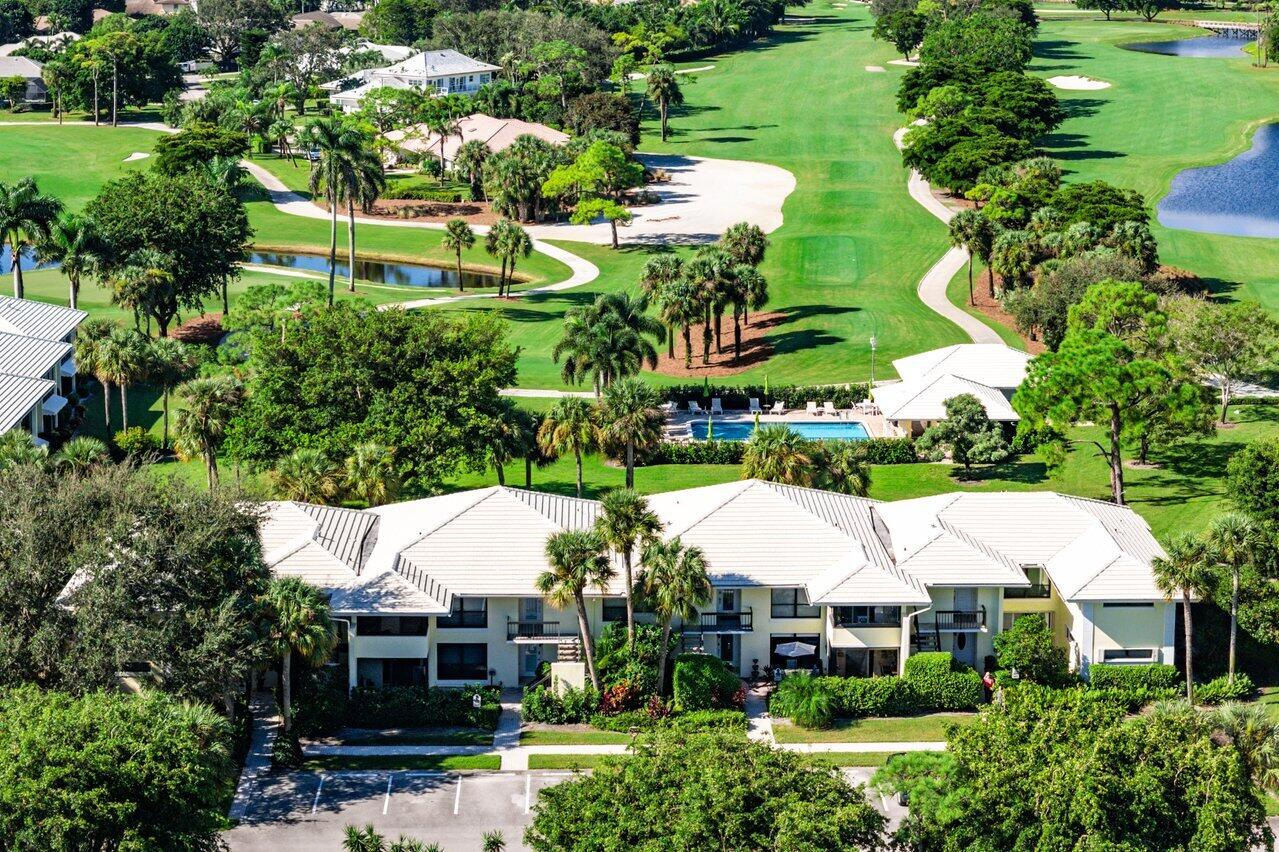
417,190
703,682
873,450
928,664
637,667
416,706
792,396
708,720
621,697
889,451
1152,676
808,701
575,706
878,696
1028,647
1221,690
623,722
319,700
286,751
943,685
136,441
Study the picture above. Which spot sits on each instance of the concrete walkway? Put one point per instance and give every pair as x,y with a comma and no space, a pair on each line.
257,763
759,722
506,739
932,287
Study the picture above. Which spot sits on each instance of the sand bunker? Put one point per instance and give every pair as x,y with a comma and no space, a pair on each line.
876,69
1078,83
136,155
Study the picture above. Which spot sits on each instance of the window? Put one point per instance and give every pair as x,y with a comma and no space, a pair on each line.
788,662
614,609
466,612
793,603
864,662
390,625
462,661
868,616
1128,655
1010,618
1039,587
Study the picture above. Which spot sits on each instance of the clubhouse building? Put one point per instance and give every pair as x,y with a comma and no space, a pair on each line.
443,591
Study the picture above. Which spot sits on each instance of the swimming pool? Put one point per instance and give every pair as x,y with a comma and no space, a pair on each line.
740,430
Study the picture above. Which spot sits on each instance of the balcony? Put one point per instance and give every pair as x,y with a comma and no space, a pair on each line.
535,632
1034,590
738,621
956,621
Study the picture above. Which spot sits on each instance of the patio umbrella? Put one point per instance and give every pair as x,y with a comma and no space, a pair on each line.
795,649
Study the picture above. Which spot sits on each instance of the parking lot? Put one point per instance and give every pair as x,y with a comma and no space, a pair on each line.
309,810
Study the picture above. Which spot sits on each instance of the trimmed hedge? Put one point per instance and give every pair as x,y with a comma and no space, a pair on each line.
932,685
873,450
413,190
1151,676
575,706
792,396
944,684
692,722
419,707
703,682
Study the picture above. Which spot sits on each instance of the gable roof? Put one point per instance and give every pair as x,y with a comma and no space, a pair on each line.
33,357
925,398
20,66
38,319
992,364
18,395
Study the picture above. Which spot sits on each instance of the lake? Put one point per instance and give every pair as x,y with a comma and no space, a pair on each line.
1236,197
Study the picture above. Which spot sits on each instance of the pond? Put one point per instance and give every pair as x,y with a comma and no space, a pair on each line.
1234,198
1217,46
376,271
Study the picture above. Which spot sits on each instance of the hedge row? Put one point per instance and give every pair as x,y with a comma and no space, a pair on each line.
419,707
696,720
792,396
421,191
703,682
873,450
1151,676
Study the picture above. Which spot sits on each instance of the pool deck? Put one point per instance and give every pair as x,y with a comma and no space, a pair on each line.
679,425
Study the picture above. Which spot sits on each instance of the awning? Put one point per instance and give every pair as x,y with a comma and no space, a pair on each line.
54,404
68,367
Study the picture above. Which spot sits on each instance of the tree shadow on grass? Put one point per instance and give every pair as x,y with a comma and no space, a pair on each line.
1083,107
1020,472
1057,49
1220,286
1074,146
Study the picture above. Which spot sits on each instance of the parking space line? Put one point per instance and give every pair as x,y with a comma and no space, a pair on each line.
315,805
528,791
457,797
386,800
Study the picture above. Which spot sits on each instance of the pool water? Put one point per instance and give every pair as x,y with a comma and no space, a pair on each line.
1236,197
740,430
1207,46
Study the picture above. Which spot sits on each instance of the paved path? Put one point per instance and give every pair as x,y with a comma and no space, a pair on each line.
932,287
759,722
257,763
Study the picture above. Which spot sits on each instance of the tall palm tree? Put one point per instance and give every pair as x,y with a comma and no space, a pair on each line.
201,423
1013,257
280,131
608,340
710,271
1184,572
170,362
755,286
365,183
333,173
777,453
458,237
26,216
675,579
630,416
370,474
493,242
299,624
569,427
745,242
513,244
680,304
124,358
1233,545
658,274
512,436
663,87
737,291
972,231
90,347
306,475
626,522
74,244
468,164
577,562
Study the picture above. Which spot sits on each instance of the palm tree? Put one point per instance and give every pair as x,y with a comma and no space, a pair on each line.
227,173
124,358
26,216
458,237
306,475
333,174
201,423
755,286
577,562
493,841
468,164
299,624
663,87
513,244
73,243
80,454
745,242
631,417
512,436
626,522
364,839
280,131
843,468
675,579
680,304
366,182
658,274
90,348
1233,545
370,474
972,231
18,448
777,453
1012,255
569,427
1256,737
737,291
710,271
442,122
170,362
1184,572
608,340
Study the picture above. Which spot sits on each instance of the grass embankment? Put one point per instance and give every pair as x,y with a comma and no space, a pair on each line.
904,729
397,763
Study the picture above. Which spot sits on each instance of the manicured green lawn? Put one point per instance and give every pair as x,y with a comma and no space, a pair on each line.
571,737
850,758
396,763
567,761
905,729
440,736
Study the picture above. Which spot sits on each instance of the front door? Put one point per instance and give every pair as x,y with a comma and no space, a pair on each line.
964,645
530,655
730,651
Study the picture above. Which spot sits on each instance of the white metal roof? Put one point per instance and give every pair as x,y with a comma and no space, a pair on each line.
38,319
34,357
436,63
18,395
925,398
992,364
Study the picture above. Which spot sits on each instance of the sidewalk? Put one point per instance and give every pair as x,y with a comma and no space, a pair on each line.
759,722
266,725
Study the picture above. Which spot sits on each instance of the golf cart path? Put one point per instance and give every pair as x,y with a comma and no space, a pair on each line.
932,287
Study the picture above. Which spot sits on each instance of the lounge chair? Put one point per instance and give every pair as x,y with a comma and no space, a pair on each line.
670,408
694,408
812,409
717,406
754,406
829,408
778,408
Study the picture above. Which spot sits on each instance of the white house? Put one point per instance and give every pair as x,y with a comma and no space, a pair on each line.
37,369
437,72
29,70
442,590
989,371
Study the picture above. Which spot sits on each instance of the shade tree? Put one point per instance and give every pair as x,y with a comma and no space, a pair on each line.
967,434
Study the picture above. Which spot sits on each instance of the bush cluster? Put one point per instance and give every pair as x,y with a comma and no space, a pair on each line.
1221,690
873,450
416,706
136,441
943,683
792,396
703,682
695,721
412,190
574,707
1152,676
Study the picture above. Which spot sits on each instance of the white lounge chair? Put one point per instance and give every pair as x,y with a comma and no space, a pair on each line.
754,406
694,408
829,408
812,409
779,407
717,406
670,408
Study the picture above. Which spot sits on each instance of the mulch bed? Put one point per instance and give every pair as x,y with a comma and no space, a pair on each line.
756,348
206,328
472,212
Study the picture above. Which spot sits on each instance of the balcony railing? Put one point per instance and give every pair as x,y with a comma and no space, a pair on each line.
1035,590
957,621
547,631
737,621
